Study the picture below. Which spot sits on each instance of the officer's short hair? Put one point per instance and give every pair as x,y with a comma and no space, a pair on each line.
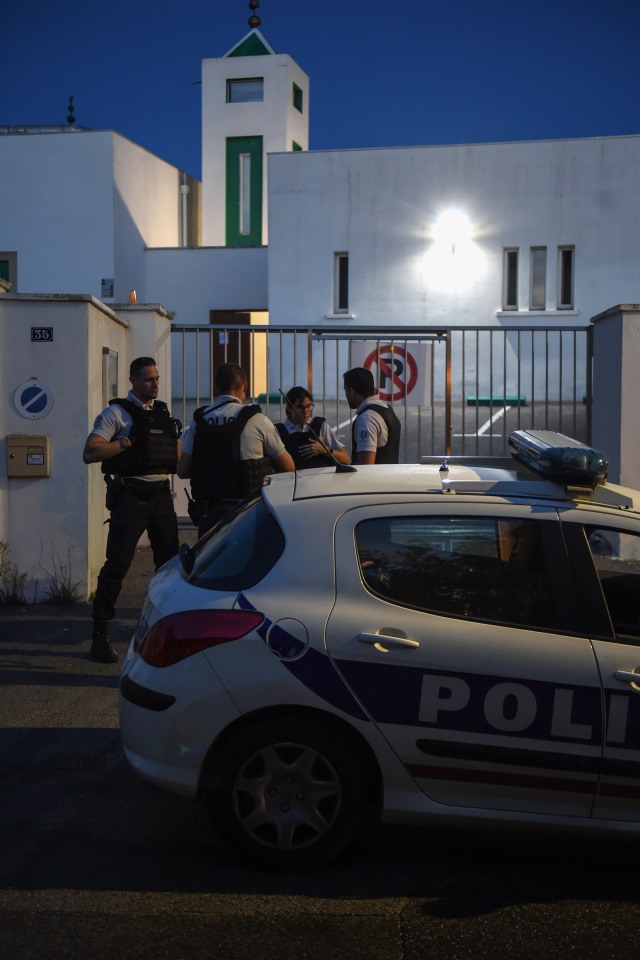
229,376
136,367
298,393
361,380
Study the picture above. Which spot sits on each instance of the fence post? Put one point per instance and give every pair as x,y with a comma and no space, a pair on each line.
616,361
448,423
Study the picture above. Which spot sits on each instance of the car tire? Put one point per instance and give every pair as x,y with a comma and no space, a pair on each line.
288,791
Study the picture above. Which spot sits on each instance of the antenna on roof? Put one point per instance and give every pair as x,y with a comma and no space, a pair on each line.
254,21
70,117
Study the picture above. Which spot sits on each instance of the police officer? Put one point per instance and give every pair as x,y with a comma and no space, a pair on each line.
375,432
307,438
228,448
137,443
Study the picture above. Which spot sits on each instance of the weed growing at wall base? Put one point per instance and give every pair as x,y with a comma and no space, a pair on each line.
12,581
62,588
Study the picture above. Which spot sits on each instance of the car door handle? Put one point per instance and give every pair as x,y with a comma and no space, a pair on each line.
382,640
628,676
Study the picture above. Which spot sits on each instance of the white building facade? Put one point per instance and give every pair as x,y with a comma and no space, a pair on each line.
541,232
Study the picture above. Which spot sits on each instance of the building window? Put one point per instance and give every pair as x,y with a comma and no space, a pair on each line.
9,269
565,277
250,90
341,283
538,279
297,97
510,280
245,194
109,375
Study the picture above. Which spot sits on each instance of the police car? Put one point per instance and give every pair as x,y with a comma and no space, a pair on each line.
452,640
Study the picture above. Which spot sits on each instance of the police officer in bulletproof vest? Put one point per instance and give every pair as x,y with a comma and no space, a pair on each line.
375,432
307,438
136,441
228,448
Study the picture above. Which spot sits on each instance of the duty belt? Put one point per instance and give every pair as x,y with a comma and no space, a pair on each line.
146,489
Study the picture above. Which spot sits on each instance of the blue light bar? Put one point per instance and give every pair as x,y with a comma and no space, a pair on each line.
555,457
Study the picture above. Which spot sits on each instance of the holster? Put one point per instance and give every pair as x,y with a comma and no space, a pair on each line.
194,508
115,486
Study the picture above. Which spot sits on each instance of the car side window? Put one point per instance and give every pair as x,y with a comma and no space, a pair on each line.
480,568
616,556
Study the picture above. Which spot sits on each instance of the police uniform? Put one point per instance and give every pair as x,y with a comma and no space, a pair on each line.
138,492
232,447
376,428
294,436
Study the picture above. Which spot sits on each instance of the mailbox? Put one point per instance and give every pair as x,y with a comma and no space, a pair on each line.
28,456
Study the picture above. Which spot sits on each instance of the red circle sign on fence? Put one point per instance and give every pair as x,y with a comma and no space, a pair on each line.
397,371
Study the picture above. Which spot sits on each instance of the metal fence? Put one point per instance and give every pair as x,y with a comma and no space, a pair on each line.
460,390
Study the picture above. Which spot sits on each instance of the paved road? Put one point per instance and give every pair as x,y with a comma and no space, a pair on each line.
97,864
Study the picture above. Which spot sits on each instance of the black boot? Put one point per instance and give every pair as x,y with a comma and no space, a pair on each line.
101,649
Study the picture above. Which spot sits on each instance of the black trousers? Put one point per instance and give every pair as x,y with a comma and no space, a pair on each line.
138,508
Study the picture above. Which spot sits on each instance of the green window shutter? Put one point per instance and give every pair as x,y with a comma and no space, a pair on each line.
244,192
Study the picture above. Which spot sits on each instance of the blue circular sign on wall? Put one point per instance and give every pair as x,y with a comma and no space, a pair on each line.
33,399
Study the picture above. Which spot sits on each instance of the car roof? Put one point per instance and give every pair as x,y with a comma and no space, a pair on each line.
497,477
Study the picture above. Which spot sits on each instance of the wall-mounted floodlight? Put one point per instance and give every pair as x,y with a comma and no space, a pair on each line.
454,259
452,228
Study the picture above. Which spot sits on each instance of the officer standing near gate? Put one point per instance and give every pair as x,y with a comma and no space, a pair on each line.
136,441
375,432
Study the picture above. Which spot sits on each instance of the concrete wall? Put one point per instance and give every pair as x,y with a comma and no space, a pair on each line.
79,207
46,520
58,521
193,282
382,207
55,191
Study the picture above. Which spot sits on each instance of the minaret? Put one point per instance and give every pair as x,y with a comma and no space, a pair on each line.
254,102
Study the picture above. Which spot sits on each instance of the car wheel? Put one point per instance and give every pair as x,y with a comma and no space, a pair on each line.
289,792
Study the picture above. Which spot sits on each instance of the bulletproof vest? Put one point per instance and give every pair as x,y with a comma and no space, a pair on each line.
154,447
217,472
390,452
293,442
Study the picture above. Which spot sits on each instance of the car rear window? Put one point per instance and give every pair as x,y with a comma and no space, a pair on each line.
237,554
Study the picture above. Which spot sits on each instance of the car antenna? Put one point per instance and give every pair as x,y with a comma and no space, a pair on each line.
340,467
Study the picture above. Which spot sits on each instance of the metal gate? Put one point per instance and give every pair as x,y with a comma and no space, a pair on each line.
458,390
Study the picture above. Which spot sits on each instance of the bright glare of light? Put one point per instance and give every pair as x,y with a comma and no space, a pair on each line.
452,227
454,261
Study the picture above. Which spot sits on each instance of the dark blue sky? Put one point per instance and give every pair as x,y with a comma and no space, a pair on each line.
383,72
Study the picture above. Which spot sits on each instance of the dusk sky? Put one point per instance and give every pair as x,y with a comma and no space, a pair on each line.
382,73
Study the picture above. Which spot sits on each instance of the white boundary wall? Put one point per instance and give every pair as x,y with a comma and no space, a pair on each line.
48,521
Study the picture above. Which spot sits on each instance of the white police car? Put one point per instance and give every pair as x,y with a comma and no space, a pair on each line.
452,639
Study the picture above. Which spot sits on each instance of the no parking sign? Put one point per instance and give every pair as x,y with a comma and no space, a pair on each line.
402,373
33,399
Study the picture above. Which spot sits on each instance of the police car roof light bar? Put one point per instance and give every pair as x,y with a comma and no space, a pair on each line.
554,456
